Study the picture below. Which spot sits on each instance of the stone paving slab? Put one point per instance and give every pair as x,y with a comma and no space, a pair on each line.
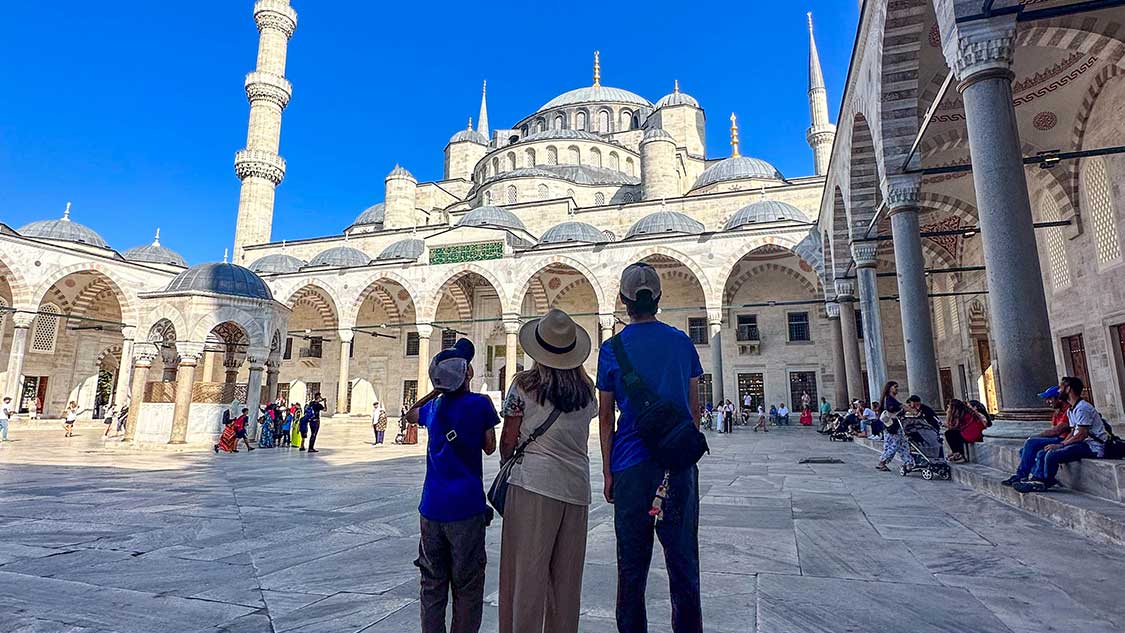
100,541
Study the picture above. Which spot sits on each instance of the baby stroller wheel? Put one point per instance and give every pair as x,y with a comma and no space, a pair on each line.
927,474
903,470
946,474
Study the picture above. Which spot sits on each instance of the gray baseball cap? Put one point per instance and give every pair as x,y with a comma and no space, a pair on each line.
637,277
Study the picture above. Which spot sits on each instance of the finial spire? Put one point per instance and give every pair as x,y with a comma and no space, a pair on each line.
734,136
226,255
156,240
676,87
482,119
470,128
597,68
66,213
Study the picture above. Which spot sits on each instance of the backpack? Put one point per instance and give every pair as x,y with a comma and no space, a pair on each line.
983,410
1114,446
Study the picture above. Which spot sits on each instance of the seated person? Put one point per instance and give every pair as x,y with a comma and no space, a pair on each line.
1060,428
872,425
1085,439
965,425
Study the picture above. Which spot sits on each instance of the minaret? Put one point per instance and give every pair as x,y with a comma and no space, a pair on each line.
482,120
259,166
822,133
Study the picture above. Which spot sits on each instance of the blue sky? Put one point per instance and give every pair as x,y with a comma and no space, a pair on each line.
133,109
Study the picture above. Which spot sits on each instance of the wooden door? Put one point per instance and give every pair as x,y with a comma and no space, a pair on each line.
984,353
1076,351
945,375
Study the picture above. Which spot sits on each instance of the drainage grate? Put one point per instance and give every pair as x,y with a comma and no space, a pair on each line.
821,460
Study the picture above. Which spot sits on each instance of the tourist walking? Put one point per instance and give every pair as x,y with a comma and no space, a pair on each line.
110,413
747,408
451,552
761,419
228,440
122,417
379,422
648,499
71,415
894,440
543,545
5,418
310,422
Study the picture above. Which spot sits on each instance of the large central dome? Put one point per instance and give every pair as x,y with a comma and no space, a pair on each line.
595,94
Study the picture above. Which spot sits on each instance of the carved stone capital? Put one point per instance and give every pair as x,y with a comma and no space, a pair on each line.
22,320
982,46
252,162
715,316
832,310
275,14
190,353
269,88
845,289
511,328
232,363
143,358
129,332
273,366
864,255
346,336
607,321
425,330
904,193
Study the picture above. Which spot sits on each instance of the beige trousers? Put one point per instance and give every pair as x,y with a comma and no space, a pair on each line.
543,540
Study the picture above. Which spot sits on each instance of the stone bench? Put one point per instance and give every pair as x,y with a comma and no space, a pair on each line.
1104,478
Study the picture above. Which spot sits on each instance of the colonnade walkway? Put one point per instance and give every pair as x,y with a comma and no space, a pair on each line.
98,540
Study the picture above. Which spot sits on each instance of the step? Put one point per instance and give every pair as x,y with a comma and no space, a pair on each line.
1103,478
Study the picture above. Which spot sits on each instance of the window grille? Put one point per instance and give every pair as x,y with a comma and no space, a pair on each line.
574,156
1056,246
799,326
1099,202
599,198
412,343
697,330
552,156
513,195
748,328
46,330
448,339
614,162
544,192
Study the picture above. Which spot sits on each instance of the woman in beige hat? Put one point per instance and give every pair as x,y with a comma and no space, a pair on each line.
543,546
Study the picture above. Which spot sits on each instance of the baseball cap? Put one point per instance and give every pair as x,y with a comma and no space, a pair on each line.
638,277
1050,392
450,367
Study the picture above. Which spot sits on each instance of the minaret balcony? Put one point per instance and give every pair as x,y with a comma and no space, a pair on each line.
275,14
268,87
252,162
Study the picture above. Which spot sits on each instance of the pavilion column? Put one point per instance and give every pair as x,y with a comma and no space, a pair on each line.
254,389
913,294
981,55
121,389
346,337
142,362
231,365
208,367
273,373
839,366
22,323
865,263
169,355
185,379
845,297
511,342
715,321
606,323
425,331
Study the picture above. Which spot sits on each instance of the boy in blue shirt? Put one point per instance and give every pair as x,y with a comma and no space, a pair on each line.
454,514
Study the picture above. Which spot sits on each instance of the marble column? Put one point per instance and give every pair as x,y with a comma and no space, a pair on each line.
425,330
231,365
715,321
913,294
142,362
124,372
254,389
190,354
511,342
606,323
273,373
981,54
845,297
208,367
22,324
346,337
865,264
840,399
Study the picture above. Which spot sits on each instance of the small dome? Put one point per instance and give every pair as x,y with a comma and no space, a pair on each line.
371,215
400,172
657,134
556,134
573,232
223,279
63,230
677,98
737,168
403,249
468,136
155,254
492,216
663,222
595,94
340,257
275,264
764,212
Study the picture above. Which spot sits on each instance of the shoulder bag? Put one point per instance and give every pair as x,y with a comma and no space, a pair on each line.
498,493
665,428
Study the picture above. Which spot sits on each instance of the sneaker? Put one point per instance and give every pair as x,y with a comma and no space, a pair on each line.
249,448
1011,481
302,448
313,450
1025,487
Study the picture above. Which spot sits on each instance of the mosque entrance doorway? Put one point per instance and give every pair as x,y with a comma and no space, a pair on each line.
34,395
802,383
753,385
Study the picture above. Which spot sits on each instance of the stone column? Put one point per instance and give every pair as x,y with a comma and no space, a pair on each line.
22,323
839,366
845,296
606,323
865,263
715,321
254,389
190,354
345,371
273,373
121,390
511,342
208,367
981,55
913,294
425,330
142,362
231,365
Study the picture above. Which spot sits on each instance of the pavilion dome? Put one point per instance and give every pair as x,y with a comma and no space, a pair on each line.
223,279
492,217
763,212
155,254
737,168
411,248
664,222
595,94
277,263
569,232
340,257
400,172
63,230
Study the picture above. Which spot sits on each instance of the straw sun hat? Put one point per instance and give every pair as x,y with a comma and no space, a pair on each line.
555,341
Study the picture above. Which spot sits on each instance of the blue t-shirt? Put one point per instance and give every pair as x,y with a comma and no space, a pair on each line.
453,490
667,360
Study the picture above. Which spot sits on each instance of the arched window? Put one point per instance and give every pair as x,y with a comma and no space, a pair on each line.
1099,204
628,197
529,157
630,166
614,161
626,119
544,192
552,155
599,198
596,157
604,122
574,157
939,317
541,125
636,123
46,329
511,161
559,122
1056,246
487,198
495,166
513,197
954,316
580,121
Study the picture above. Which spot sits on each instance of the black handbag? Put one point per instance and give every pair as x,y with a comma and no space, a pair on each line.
666,429
498,493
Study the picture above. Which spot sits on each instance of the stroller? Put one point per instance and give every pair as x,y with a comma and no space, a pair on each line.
841,428
926,449
401,437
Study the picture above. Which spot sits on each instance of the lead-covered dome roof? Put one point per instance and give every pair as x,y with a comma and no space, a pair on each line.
373,214
677,98
492,216
577,174
562,134
223,279
763,212
411,248
468,136
341,257
275,264
571,232
64,230
155,254
737,168
664,222
595,94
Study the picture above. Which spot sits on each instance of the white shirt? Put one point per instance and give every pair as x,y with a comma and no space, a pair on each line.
5,412
783,410
747,401
869,413
1084,414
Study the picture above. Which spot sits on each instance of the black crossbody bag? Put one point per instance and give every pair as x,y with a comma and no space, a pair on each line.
498,493
665,428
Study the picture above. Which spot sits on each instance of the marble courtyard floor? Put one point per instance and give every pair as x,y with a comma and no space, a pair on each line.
97,540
